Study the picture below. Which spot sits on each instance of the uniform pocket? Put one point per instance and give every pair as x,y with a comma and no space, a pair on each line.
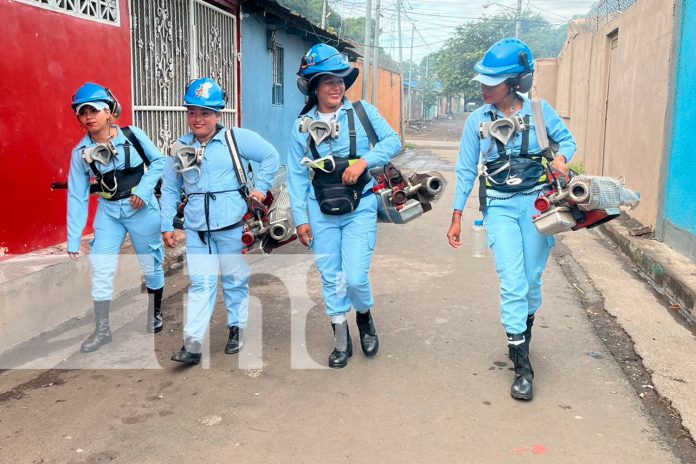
371,239
490,239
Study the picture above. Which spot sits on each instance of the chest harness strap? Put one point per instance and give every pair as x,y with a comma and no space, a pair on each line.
207,196
127,178
496,166
325,180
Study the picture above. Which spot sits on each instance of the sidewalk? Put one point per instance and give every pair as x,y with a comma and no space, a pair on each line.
43,290
669,270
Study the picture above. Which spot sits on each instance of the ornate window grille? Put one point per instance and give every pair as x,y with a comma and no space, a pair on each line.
102,11
278,98
173,42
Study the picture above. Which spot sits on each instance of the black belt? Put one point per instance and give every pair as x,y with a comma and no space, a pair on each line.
207,196
202,233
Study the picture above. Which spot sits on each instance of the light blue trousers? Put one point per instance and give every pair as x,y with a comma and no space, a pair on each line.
343,247
204,269
520,255
110,232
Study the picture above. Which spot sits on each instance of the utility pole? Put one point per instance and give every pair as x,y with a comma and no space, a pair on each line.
427,64
518,18
323,14
401,72
366,51
375,69
410,72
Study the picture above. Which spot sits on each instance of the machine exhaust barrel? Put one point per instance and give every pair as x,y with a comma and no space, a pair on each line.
433,185
579,192
279,232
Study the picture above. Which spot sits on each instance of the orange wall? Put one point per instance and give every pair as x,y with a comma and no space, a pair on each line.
388,94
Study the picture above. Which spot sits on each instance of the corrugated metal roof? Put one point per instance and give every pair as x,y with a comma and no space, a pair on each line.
293,21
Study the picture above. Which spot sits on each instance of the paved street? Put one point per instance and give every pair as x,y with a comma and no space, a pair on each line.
438,391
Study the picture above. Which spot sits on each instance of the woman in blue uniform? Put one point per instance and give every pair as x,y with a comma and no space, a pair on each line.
201,165
330,140
116,158
513,174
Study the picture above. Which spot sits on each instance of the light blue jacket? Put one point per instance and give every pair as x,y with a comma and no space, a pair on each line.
79,180
299,184
217,175
472,148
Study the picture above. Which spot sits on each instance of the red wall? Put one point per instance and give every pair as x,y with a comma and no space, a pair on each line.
46,56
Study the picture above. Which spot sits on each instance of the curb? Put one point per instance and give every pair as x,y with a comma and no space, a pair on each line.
64,288
671,271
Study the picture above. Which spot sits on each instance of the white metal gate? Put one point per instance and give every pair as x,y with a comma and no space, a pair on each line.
173,42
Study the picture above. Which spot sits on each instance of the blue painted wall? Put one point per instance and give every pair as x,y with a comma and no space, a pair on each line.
273,122
680,195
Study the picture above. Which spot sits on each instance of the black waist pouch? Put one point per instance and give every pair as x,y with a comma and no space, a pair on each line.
522,174
125,181
335,198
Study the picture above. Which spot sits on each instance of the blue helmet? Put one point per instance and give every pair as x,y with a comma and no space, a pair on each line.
206,93
323,59
90,92
507,59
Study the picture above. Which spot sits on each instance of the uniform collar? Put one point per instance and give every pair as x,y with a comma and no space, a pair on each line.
314,112
190,139
87,141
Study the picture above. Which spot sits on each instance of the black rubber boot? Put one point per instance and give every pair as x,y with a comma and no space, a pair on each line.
235,341
102,331
155,322
369,342
343,346
518,349
190,352
528,332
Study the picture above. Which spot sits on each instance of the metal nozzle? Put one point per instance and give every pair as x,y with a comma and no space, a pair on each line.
433,185
579,192
278,232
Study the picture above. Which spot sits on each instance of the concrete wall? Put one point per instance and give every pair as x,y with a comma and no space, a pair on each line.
679,223
615,102
272,122
546,79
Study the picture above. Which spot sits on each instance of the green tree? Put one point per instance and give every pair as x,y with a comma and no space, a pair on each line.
310,9
455,62
346,28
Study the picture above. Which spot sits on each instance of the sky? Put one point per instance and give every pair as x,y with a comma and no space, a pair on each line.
432,22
